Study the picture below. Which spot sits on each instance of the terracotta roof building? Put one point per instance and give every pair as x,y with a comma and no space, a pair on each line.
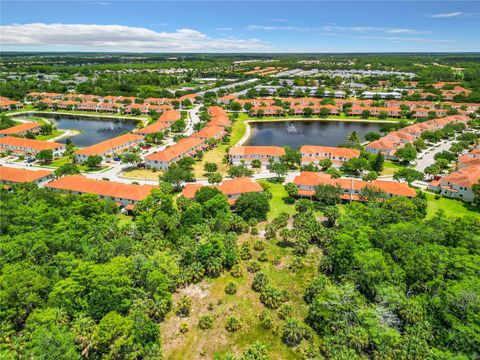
210,132
11,175
21,129
125,194
108,147
30,146
352,188
246,154
233,188
313,154
185,147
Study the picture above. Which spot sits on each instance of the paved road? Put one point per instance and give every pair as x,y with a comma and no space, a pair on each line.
427,156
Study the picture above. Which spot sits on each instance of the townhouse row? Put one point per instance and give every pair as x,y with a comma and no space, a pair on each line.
459,183
21,129
109,107
352,189
311,154
390,143
29,146
110,99
7,104
124,195
232,189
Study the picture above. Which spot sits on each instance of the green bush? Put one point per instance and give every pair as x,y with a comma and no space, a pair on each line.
233,324
260,281
285,311
253,266
205,322
272,297
231,288
266,320
259,245
263,256
236,271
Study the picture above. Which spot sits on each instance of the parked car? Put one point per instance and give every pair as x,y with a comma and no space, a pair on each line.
30,160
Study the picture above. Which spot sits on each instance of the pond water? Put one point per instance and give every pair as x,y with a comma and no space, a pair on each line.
92,130
298,133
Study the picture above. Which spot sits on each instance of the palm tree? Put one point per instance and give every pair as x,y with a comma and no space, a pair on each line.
293,332
354,137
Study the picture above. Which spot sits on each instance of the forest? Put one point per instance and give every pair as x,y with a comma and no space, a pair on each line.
77,281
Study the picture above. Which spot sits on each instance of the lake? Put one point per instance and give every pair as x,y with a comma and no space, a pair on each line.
92,130
298,133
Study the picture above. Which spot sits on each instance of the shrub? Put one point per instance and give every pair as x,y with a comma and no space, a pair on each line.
236,271
259,245
272,297
183,327
263,256
289,200
285,311
245,251
231,288
205,322
253,266
184,306
296,264
254,230
266,320
293,332
260,281
233,324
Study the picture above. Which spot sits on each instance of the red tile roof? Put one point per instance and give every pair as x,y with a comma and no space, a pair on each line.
112,189
104,146
332,151
184,146
209,132
18,175
20,128
157,126
170,116
36,145
256,150
228,187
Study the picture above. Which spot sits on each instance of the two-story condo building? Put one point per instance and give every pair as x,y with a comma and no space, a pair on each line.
313,154
108,147
352,188
126,195
232,189
30,146
185,147
21,129
11,175
246,154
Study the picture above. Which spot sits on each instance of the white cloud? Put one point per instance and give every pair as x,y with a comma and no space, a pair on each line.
87,37
407,31
447,15
223,28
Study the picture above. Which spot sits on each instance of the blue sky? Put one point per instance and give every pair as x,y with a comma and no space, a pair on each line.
240,26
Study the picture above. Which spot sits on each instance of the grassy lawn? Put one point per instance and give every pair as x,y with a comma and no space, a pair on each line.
245,305
277,205
54,134
124,219
390,167
214,155
141,174
450,206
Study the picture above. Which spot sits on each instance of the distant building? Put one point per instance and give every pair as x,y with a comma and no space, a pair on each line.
21,129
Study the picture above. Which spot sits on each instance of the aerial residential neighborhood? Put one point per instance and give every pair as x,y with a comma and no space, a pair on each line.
234,180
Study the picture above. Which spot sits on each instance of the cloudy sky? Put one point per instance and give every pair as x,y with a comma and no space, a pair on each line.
239,26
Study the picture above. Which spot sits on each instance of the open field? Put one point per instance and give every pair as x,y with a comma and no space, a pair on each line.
245,305
141,174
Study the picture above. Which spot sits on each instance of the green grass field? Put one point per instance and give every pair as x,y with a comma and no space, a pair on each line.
450,206
54,134
277,205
